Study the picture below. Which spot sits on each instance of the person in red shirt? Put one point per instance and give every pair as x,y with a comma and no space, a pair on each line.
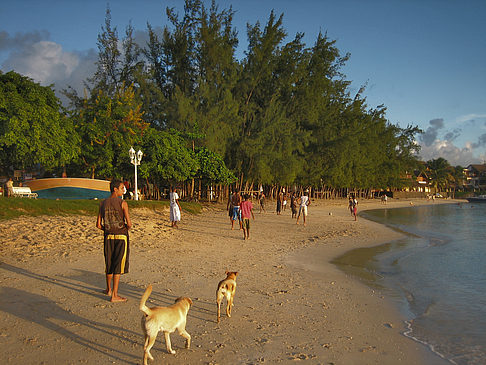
246,208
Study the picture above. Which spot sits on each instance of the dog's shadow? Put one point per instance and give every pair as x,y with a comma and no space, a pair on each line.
46,312
205,309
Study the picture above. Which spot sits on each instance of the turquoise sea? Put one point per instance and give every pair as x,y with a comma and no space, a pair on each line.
436,274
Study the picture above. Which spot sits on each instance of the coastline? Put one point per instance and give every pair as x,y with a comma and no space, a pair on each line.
374,309
291,304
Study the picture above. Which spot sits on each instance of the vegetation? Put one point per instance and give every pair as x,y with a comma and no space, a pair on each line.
282,115
443,176
15,207
33,128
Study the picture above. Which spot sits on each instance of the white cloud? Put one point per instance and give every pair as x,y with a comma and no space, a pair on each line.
48,63
44,62
453,154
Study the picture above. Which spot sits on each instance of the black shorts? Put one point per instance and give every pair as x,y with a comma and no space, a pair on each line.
117,251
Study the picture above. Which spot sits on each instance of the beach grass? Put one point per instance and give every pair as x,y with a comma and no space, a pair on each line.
11,208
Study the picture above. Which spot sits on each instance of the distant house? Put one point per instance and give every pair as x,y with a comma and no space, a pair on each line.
418,181
475,176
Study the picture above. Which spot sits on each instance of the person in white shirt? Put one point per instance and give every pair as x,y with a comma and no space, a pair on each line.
304,203
175,208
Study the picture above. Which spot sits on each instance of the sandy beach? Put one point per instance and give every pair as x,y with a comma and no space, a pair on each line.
291,303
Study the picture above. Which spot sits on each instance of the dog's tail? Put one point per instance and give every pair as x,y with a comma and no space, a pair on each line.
145,296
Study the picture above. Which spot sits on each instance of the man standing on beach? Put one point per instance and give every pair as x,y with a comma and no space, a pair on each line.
236,201
246,214
262,202
114,220
9,186
279,202
304,203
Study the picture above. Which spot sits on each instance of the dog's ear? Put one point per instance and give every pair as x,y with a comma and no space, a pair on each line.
189,300
236,273
226,272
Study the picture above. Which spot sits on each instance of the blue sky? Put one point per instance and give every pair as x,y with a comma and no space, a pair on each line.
424,59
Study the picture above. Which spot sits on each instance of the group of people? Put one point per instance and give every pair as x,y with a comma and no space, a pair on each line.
236,212
114,220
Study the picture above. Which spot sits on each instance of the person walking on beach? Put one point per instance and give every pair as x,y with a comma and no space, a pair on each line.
350,205
175,208
229,207
284,200
246,214
355,208
236,201
279,203
304,203
114,220
262,202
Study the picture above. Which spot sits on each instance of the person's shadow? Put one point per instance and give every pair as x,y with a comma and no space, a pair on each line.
45,312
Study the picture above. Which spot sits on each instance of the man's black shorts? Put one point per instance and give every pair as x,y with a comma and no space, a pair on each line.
117,252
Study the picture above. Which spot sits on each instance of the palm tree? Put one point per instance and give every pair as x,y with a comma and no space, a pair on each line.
439,172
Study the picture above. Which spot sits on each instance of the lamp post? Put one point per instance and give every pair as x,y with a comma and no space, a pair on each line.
135,158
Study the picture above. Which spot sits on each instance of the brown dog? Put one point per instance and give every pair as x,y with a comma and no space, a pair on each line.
166,319
226,289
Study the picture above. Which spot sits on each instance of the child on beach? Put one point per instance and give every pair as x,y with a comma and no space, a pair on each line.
293,205
246,213
355,208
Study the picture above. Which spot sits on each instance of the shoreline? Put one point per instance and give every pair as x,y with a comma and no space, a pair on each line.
52,274
376,296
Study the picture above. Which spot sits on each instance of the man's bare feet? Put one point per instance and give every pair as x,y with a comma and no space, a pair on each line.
118,299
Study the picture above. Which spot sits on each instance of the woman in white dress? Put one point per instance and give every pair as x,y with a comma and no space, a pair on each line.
175,208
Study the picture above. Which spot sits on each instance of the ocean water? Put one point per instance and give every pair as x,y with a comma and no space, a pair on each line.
436,274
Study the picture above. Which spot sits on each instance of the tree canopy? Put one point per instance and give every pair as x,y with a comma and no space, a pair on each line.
283,114
33,128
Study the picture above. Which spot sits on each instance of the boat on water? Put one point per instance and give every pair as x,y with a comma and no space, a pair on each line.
70,188
477,199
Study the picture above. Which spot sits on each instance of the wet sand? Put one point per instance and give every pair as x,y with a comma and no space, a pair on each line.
291,303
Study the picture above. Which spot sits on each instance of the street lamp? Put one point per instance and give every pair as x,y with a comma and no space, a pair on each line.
135,159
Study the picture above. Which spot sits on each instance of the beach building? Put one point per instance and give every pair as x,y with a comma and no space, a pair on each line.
475,176
417,181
